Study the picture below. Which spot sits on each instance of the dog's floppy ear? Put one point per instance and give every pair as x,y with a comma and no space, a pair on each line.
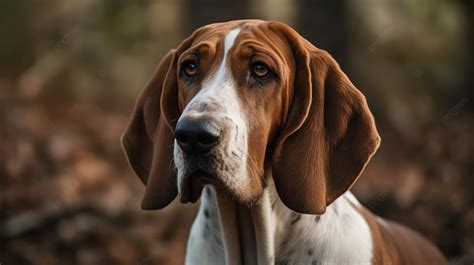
148,138
329,135
147,141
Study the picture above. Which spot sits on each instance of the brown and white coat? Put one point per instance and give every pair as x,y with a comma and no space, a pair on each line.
275,134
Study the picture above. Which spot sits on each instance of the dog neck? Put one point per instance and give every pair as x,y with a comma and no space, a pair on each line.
260,234
247,233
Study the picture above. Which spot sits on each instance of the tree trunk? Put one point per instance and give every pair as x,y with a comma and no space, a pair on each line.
324,23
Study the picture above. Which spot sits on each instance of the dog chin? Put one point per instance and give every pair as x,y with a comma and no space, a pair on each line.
192,185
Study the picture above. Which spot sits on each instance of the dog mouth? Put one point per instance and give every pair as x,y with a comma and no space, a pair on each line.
192,186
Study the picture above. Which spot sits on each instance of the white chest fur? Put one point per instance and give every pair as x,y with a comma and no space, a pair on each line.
205,243
339,236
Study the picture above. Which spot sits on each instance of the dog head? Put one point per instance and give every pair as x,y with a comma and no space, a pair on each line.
241,101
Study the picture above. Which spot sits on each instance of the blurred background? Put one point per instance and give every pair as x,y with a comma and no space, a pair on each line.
70,72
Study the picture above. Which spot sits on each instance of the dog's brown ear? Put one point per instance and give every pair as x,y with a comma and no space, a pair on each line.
149,136
148,140
329,135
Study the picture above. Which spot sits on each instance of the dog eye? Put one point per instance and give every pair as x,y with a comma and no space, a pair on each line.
189,68
260,70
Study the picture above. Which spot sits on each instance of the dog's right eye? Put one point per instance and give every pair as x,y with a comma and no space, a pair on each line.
260,69
189,68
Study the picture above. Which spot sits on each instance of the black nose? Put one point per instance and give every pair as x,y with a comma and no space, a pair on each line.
196,136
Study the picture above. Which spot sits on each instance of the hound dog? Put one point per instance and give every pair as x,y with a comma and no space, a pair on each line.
270,134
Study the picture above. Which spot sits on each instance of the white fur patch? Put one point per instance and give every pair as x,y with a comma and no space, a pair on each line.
339,236
205,243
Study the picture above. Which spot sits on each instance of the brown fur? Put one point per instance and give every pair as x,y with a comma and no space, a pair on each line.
396,244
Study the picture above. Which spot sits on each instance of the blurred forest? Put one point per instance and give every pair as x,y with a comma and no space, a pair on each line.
70,72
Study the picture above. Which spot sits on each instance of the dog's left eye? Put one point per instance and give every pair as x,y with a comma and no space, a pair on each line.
260,70
189,68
